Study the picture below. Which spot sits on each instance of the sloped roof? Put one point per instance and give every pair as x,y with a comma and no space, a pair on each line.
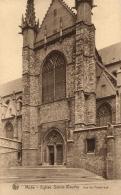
111,54
10,87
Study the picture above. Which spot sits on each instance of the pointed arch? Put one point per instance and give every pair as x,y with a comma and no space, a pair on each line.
104,114
53,148
54,77
55,135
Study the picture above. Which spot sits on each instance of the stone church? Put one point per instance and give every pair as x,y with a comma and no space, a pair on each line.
66,108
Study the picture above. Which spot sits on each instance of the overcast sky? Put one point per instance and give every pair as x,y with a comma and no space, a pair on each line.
106,17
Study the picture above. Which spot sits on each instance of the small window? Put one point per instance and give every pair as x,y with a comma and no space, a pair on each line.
114,73
90,145
19,155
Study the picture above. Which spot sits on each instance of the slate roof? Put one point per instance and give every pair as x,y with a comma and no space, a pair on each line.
10,87
111,54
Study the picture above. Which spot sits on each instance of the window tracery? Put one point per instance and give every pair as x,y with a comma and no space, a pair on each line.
54,138
54,78
104,115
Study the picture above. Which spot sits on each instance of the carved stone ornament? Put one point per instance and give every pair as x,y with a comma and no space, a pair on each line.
54,138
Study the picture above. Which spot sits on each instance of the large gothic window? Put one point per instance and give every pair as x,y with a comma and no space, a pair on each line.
104,115
54,78
9,130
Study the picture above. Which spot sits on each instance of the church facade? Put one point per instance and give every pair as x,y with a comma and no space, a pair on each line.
66,109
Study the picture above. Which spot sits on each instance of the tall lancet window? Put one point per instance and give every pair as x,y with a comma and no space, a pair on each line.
9,130
54,77
104,115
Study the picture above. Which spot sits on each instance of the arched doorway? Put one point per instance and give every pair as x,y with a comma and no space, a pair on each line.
53,152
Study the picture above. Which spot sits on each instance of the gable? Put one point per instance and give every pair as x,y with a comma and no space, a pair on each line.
104,87
57,13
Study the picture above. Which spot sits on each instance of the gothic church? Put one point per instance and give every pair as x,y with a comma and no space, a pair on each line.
66,109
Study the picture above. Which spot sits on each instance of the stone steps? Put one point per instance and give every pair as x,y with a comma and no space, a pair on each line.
45,175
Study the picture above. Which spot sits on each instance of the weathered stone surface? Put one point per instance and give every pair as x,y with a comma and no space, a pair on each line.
74,116
9,152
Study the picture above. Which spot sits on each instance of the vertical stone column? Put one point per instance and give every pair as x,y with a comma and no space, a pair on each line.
85,68
79,79
118,97
55,154
110,157
79,109
26,108
90,78
110,161
15,128
34,99
1,133
91,109
85,75
30,110
118,107
29,29
70,153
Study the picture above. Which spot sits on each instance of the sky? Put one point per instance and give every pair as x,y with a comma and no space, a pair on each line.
106,17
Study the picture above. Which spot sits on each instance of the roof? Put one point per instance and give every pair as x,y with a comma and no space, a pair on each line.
111,54
10,87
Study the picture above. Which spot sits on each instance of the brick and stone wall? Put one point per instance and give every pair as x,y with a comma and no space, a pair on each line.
15,117
117,151
94,162
9,152
105,161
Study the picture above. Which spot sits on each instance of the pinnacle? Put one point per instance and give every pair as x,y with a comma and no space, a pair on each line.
30,18
30,13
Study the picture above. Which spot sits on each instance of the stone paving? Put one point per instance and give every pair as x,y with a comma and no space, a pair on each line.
47,175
